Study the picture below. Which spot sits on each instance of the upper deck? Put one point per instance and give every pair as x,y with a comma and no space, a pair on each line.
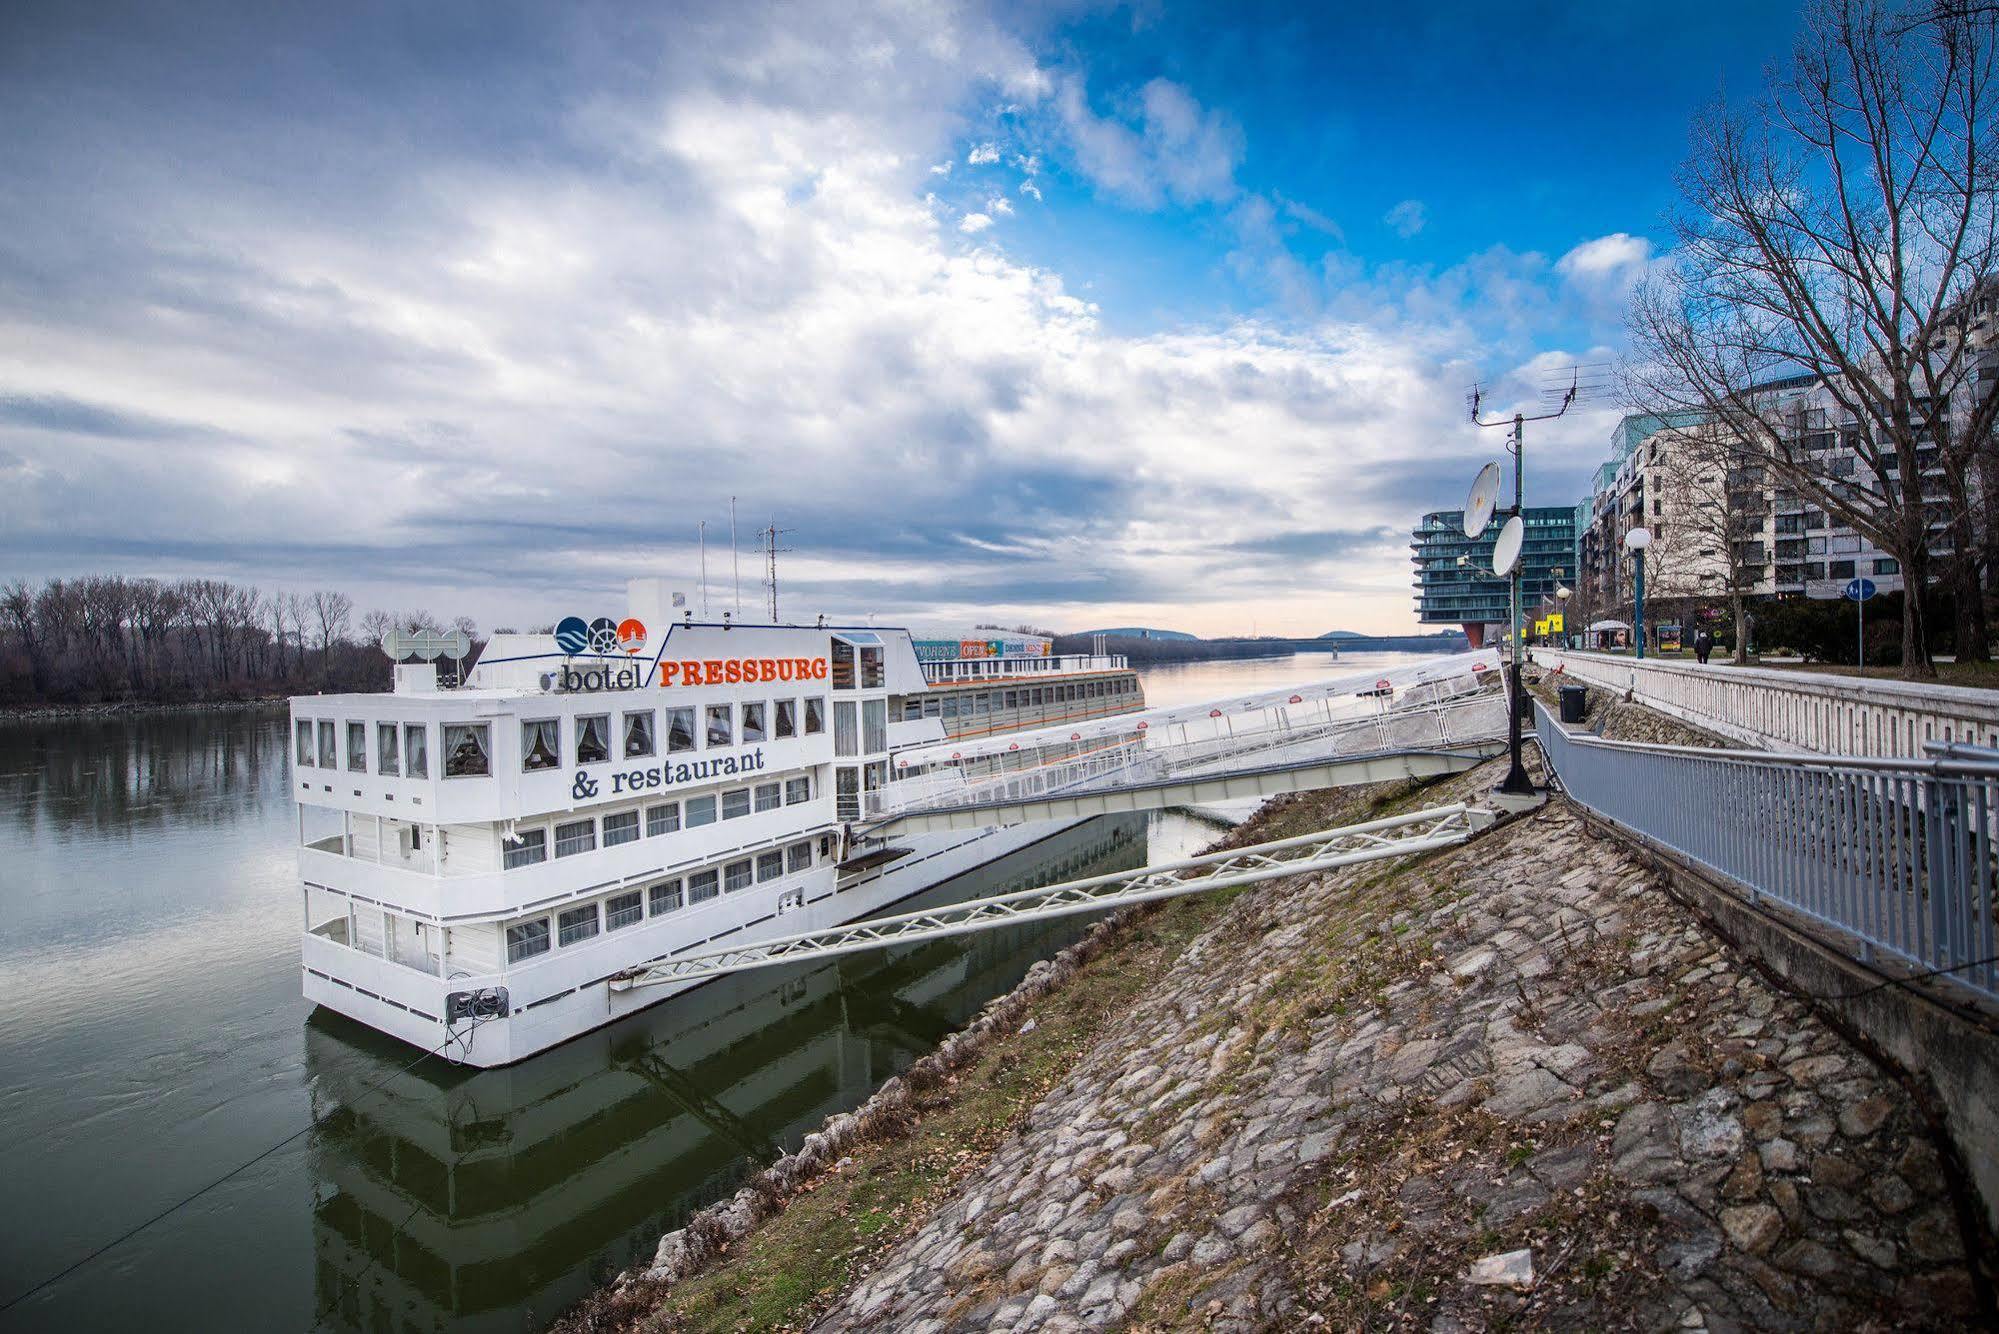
540,730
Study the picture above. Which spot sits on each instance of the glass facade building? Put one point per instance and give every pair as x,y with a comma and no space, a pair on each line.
1450,594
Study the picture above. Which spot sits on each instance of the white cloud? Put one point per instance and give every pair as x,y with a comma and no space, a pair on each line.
982,154
1611,254
1168,148
999,204
942,168
974,222
1030,189
1407,218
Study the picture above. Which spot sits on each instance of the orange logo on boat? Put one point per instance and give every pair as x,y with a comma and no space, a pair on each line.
632,635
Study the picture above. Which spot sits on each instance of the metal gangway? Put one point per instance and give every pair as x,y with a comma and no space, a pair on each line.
1375,840
1426,720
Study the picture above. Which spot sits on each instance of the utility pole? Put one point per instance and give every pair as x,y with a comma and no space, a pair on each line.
1516,782
701,530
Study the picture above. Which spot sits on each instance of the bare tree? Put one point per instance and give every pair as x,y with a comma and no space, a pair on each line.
1840,235
330,613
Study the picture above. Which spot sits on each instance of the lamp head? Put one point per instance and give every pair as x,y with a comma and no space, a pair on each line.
1563,594
1638,539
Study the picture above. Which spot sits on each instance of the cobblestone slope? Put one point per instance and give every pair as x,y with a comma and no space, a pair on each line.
1514,1084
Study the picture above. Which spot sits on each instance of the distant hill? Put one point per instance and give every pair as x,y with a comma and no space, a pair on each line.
1350,634
1135,632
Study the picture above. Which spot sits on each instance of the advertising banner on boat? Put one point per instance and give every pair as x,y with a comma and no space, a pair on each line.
1004,646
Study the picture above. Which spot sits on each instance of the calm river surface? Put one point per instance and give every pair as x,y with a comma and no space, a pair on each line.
152,1037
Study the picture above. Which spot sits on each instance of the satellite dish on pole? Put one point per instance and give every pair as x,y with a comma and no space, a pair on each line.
1506,551
1484,494
453,644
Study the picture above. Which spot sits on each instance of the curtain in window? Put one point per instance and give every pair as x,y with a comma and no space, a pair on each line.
416,748
357,747
541,746
753,723
638,734
467,750
385,742
846,732
786,720
721,732
815,716
304,742
874,726
679,729
593,741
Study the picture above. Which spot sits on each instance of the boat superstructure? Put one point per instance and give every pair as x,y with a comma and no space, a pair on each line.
480,861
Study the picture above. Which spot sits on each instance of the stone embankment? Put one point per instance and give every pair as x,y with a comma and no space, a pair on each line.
1514,1083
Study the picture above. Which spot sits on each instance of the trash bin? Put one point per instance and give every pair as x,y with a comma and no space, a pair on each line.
1575,703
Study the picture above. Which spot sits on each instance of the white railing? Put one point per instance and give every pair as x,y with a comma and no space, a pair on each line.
1823,712
948,671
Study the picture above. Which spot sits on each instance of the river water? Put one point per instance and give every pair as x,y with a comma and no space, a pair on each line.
152,1037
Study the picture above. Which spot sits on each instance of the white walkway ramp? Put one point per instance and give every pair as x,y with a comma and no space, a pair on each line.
1396,836
1437,717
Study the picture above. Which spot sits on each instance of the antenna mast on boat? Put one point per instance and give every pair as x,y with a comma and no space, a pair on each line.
771,548
702,529
735,558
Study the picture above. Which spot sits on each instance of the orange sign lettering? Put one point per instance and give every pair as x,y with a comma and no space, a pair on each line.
739,671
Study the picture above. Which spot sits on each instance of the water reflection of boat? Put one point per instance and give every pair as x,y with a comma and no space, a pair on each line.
459,1199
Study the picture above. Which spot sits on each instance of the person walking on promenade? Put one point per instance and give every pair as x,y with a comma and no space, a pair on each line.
1703,645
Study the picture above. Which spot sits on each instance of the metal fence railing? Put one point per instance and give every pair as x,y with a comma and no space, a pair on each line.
1901,853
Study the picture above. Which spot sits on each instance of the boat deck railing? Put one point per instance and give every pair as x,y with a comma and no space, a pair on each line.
972,671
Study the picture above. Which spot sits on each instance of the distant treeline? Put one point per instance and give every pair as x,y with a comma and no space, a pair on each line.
105,638
1176,650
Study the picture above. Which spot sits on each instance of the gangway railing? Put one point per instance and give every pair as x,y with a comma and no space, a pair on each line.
1395,836
1901,854
1136,763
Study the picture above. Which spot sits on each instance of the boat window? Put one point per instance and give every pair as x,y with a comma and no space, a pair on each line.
933,708
912,709
770,865
638,735
815,715
1013,699
621,827
679,730
736,875
662,819
593,738
357,747
735,803
784,718
950,706
874,725
700,811
798,857
843,665
846,728
701,885
753,722
876,775
847,793
797,789
574,837
526,847
624,910
664,897
541,744
467,750
575,925
304,729
871,668
527,939
720,732
416,749
386,760
769,796
328,757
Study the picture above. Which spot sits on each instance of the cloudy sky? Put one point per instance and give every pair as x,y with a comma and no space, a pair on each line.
1086,314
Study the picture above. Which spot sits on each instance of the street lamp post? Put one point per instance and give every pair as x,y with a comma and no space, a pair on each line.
1638,539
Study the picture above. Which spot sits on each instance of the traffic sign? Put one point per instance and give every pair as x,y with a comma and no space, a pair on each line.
1859,590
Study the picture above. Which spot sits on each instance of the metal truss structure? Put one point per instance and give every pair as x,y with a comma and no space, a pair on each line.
1395,836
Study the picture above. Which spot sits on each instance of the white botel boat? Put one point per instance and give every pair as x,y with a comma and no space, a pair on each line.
479,862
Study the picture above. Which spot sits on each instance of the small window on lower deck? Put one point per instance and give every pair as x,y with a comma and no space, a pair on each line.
737,875
624,910
621,827
702,885
662,819
769,796
798,857
797,789
574,837
527,939
735,803
575,925
770,865
526,847
664,897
